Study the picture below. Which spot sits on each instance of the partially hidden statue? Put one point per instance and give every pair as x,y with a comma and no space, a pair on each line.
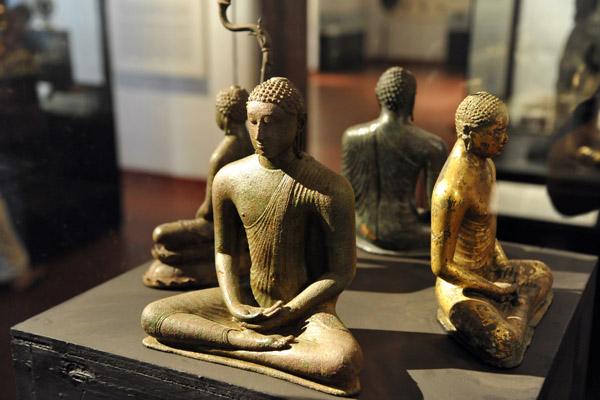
382,159
573,180
579,66
184,250
298,217
487,302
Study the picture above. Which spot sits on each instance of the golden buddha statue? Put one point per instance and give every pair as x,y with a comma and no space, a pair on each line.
382,159
184,250
298,217
489,303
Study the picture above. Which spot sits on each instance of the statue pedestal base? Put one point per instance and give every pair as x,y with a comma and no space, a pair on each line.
91,345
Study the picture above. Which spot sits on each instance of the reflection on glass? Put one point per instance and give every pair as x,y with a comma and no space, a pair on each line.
59,176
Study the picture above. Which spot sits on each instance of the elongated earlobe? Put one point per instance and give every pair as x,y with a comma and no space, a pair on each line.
466,137
469,144
300,136
226,126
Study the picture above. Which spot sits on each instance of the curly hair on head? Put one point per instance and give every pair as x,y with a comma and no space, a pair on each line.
282,92
231,103
477,110
396,89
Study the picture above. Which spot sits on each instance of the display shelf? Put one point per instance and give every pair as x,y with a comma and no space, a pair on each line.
91,346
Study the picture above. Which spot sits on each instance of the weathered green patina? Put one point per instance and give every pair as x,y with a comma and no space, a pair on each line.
383,159
298,217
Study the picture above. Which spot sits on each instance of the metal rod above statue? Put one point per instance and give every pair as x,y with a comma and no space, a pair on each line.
264,40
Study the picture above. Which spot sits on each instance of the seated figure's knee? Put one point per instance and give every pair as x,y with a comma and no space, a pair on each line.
184,233
344,363
538,270
505,343
540,277
159,232
498,339
545,272
153,316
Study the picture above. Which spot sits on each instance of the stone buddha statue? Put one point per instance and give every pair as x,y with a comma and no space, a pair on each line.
489,303
383,159
184,250
298,217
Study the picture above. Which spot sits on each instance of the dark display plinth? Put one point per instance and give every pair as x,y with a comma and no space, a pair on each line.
91,346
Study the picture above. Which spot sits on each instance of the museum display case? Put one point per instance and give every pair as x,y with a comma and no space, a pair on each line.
108,129
58,150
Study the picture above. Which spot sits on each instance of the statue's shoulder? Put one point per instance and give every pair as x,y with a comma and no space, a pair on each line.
458,180
449,192
236,171
325,180
359,131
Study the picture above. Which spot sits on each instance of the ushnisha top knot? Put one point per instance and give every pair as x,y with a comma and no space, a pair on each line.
396,89
279,91
231,103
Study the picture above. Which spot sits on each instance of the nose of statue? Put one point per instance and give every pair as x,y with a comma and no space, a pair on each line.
260,131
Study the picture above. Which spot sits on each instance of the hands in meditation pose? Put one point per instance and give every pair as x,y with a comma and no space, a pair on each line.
299,222
184,250
382,159
486,301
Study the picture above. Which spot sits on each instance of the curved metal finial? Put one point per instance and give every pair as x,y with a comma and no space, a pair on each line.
264,40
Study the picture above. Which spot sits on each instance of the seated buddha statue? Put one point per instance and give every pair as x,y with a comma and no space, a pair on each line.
184,250
383,159
298,218
487,302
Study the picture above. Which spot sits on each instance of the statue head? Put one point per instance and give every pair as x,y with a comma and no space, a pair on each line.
280,107
481,122
396,90
231,107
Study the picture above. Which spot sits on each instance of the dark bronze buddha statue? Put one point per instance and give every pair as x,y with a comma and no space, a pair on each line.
383,159
298,217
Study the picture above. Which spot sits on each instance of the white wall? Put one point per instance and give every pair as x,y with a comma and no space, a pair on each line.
413,30
169,60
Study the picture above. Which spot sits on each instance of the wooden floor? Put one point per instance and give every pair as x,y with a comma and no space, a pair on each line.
336,101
